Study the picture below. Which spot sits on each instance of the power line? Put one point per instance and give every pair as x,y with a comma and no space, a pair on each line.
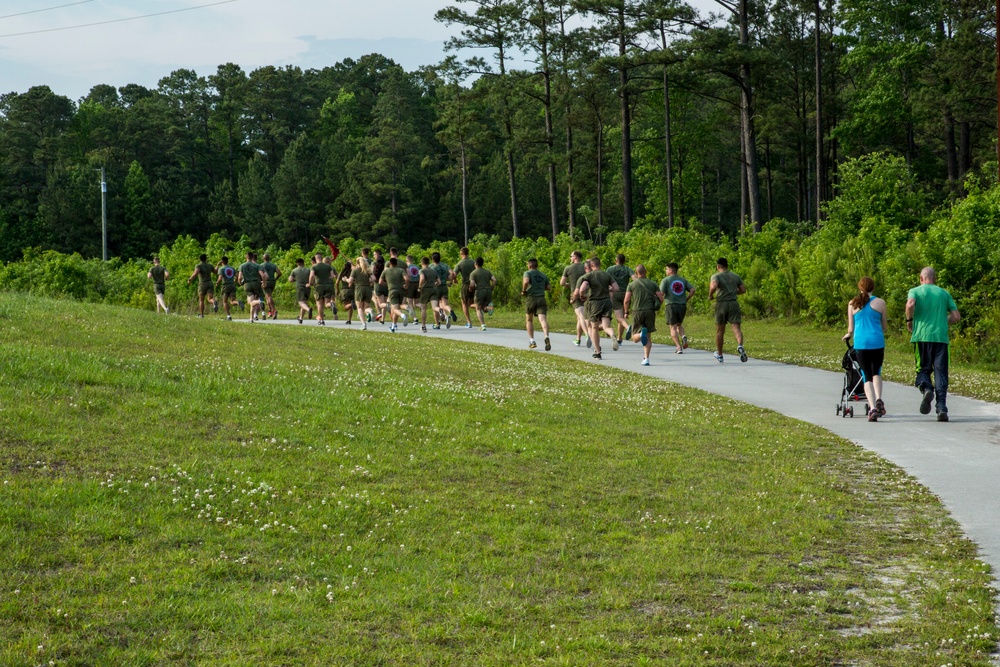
130,18
47,9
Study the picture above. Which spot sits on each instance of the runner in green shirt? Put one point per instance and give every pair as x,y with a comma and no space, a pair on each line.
467,295
321,280
622,275
159,275
271,273
251,277
642,298
443,311
345,291
361,282
394,280
598,307
227,279
204,273
570,278
534,285
300,276
929,311
676,292
428,285
412,285
725,286
482,281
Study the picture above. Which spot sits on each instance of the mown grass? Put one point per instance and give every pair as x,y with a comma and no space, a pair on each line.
181,491
803,344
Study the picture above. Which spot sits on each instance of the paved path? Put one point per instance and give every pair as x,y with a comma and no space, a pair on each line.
959,461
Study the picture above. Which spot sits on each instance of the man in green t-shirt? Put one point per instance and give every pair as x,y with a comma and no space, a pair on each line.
534,285
929,311
227,279
321,280
676,292
394,280
598,308
300,276
570,279
271,273
642,298
412,285
622,275
251,277
159,276
482,281
204,273
725,286
467,294
361,282
428,286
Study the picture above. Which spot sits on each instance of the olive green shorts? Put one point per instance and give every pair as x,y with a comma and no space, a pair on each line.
676,313
363,294
206,290
536,305
728,312
643,318
596,310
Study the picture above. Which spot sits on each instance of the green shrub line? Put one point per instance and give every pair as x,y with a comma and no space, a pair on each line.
875,226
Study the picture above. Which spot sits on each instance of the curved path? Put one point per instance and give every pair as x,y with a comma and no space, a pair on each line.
959,461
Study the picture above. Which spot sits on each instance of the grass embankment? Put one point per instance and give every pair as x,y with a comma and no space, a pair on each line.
175,490
800,343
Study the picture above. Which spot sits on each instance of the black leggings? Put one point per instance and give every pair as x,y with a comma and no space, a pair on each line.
870,362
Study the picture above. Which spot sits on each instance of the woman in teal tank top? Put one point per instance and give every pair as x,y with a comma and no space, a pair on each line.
866,321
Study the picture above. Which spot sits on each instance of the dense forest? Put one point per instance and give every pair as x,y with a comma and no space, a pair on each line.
619,114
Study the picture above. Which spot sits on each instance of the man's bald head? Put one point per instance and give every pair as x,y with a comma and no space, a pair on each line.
928,275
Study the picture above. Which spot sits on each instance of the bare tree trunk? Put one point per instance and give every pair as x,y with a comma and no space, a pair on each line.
769,178
749,134
950,149
568,109
600,175
549,134
623,80
668,149
704,198
743,182
718,197
465,194
820,165
509,145
964,149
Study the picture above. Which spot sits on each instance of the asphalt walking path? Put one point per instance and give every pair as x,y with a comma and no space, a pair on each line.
959,460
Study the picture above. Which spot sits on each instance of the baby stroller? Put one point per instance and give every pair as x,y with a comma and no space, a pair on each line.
854,384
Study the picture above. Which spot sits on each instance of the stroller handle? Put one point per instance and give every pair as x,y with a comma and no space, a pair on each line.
847,342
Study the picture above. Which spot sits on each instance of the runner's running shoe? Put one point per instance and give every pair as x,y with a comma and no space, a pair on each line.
718,357
548,345
743,354
644,336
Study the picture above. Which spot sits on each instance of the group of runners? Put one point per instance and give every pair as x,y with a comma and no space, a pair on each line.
621,302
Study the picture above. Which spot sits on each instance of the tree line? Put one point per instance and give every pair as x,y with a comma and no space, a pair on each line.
583,117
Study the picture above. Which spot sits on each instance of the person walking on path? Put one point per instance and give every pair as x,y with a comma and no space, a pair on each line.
724,287
622,275
676,291
227,281
534,285
204,272
642,300
598,285
300,276
866,321
481,281
570,277
272,272
159,276
929,311
467,294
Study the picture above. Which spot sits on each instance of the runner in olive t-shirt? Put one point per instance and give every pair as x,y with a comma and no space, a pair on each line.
300,276
251,277
412,285
429,283
394,280
725,286
642,297
482,282
204,272
321,280
446,276
929,311
272,273
570,278
676,292
227,280
345,291
361,281
534,285
159,275
622,274
598,308
464,269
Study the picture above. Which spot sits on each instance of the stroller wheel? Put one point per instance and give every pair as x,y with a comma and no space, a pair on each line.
838,409
851,412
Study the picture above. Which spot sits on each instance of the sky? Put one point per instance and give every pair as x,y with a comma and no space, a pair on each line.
250,33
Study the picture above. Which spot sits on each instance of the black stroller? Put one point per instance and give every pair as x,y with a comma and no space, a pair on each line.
854,384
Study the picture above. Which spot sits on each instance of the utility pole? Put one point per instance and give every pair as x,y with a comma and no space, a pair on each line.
104,214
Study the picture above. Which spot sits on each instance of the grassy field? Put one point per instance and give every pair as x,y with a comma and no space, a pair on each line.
183,491
800,343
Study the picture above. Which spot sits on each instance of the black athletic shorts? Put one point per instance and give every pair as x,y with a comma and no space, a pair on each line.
870,362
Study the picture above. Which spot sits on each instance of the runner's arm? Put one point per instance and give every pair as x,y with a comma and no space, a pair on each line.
627,302
312,278
850,321
166,275
954,317
193,276
712,287
524,284
911,305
